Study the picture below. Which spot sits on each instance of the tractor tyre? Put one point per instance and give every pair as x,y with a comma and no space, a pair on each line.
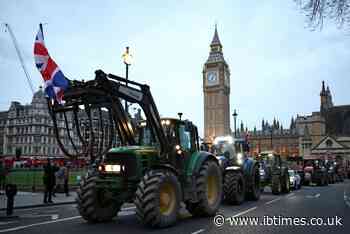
254,190
95,205
285,183
158,198
276,186
209,190
234,187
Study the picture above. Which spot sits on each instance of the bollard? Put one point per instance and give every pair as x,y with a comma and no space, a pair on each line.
11,191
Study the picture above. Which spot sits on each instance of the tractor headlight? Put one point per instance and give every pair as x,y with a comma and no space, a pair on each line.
262,172
240,158
113,168
291,179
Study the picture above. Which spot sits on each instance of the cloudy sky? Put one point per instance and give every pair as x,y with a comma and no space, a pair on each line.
276,63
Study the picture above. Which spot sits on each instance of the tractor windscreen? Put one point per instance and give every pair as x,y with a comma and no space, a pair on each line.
147,138
220,146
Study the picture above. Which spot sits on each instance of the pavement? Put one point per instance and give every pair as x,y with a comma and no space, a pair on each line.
329,205
29,199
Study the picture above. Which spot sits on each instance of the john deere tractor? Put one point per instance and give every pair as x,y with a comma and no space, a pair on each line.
241,173
273,172
157,166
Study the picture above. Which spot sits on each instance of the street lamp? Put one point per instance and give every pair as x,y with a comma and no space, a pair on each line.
127,59
234,120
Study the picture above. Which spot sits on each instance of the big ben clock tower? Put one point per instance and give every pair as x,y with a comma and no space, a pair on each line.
216,88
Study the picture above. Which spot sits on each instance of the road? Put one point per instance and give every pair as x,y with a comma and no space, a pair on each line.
318,202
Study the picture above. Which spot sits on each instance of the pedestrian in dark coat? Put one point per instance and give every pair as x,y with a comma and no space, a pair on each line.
49,181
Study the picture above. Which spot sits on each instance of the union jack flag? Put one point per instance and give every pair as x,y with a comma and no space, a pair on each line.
55,82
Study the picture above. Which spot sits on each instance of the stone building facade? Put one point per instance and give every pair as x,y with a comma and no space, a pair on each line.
29,129
324,133
284,141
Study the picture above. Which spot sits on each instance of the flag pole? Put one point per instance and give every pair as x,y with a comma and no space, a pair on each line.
41,29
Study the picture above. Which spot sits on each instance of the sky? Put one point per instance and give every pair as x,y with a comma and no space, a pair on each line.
277,64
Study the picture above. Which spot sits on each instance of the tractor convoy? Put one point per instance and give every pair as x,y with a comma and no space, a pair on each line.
157,163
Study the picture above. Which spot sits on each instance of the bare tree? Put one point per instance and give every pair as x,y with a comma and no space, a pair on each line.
317,11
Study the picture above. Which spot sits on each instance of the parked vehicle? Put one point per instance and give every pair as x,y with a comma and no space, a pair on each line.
295,180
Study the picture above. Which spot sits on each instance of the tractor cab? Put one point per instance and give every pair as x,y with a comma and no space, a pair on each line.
229,150
181,134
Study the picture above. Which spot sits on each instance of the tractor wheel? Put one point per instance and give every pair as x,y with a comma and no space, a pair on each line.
95,205
209,190
276,186
158,198
285,183
234,187
254,191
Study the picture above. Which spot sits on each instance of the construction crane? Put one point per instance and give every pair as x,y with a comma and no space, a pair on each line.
14,40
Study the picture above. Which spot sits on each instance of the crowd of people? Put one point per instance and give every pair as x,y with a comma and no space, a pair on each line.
55,178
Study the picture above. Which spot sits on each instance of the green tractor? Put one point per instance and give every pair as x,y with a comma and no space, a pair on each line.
240,173
157,166
273,172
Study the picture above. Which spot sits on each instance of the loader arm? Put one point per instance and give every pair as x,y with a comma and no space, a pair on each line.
105,91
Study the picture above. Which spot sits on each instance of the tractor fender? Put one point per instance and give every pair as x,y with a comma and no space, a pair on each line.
196,161
248,166
165,167
236,169
248,169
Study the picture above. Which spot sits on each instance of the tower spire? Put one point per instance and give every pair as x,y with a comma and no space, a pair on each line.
323,91
216,40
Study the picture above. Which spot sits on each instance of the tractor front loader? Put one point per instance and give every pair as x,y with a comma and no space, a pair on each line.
157,165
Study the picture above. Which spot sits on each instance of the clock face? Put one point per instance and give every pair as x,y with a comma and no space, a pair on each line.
212,78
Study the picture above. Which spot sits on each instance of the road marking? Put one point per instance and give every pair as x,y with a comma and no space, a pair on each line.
244,212
290,195
129,208
39,224
199,231
126,212
52,206
314,196
5,223
53,216
272,201
346,199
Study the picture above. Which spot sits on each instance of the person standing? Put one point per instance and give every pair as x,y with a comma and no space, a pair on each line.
49,181
55,169
66,178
